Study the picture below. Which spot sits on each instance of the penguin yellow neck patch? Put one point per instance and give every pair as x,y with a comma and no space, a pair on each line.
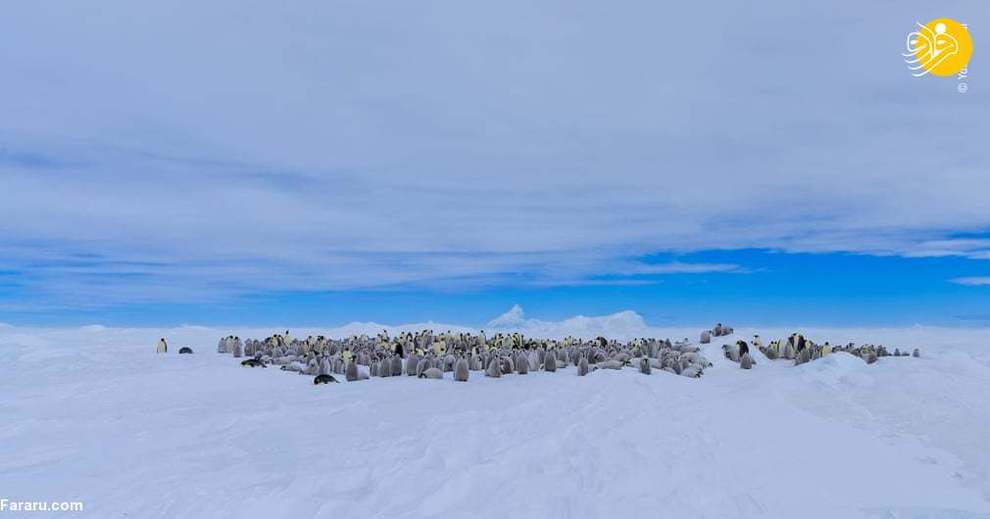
941,47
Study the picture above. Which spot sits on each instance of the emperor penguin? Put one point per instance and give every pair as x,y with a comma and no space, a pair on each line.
746,362
494,368
238,349
788,352
185,349
324,379
507,366
325,368
743,347
432,373
411,362
771,350
534,360
521,364
916,353
706,337
644,366
351,371
583,366
253,363
461,370
692,371
424,364
162,346
475,362
220,345
550,362
312,366
396,365
803,356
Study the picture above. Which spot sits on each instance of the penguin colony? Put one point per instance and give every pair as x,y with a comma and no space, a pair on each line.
428,355
431,356
800,350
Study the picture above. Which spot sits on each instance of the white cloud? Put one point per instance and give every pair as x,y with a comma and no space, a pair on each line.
972,281
360,146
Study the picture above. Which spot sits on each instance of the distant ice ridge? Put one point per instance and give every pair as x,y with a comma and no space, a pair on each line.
621,325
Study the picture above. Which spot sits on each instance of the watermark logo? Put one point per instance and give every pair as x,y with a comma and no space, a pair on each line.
941,47
14,505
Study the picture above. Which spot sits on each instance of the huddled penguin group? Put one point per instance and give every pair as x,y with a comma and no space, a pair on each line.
721,330
800,350
428,355
231,344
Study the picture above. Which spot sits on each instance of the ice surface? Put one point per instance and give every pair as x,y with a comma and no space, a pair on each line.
93,414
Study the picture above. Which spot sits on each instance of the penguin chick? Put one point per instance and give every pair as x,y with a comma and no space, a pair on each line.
550,362
432,373
583,366
351,371
494,368
461,371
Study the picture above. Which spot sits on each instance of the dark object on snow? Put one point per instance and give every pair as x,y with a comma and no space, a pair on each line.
324,379
185,349
253,363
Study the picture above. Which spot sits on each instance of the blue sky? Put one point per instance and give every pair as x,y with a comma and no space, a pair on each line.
323,162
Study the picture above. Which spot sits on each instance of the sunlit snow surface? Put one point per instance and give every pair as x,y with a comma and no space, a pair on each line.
93,414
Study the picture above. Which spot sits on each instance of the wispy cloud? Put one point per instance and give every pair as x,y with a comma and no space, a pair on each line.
974,281
363,147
